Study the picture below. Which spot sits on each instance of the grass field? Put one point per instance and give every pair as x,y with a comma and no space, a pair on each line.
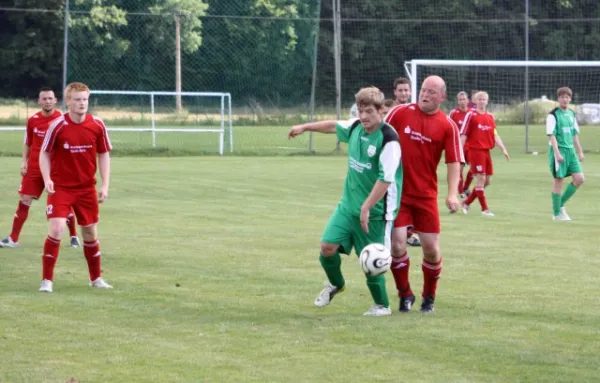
214,263
272,140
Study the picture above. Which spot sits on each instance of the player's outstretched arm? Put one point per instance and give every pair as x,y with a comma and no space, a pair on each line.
500,144
104,166
320,127
453,176
45,170
577,143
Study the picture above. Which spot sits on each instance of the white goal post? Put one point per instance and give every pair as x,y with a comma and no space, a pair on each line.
225,114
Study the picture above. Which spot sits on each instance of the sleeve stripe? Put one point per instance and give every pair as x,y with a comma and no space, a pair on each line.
393,111
456,139
465,123
50,132
100,123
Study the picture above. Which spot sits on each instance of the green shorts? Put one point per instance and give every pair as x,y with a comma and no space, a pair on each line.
344,229
569,166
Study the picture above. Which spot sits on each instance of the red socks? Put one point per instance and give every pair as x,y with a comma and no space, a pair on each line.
91,250
431,275
71,225
468,180
19,220
49,257
481,196
400,267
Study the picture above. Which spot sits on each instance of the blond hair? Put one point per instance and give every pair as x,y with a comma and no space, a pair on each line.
481,93
462,93
369,96
564,90
76,87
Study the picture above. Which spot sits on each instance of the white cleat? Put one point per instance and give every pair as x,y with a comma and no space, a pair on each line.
75,242
378,311
46,286
8,243
99,283
561,217
327,294
563,212
465,208
487,213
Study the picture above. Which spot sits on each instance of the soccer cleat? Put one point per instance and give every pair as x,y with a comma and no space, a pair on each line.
327,294
46,286
467,192
414,240
563,212
378,311
75,242
427,305
465,208
487,213
8,243
406,303
561,217
99,283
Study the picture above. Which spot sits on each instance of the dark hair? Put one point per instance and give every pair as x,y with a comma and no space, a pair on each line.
401,80
46,89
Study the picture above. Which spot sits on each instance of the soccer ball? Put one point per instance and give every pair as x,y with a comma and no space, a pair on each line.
375,259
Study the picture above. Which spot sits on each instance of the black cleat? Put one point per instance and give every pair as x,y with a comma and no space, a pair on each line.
406,303
427,305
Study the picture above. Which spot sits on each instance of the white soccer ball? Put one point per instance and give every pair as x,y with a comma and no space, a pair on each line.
375,259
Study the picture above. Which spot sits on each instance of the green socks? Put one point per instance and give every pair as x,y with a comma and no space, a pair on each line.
569,191
333,270
555,204
378,291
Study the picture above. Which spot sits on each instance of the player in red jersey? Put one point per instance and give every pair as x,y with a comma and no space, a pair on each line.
425,132
458,115
71,147
480,134
32,183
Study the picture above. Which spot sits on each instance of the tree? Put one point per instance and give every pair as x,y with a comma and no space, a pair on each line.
185,16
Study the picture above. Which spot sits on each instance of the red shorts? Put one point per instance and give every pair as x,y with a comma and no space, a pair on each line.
32,185
83,202
481,161
420,213
466,154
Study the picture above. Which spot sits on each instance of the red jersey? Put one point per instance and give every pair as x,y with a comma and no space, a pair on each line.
458,116
479,129
423,138
37,125
74,147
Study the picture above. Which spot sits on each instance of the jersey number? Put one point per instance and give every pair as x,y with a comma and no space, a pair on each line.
49,209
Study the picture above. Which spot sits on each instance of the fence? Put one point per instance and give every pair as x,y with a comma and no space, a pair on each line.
286,61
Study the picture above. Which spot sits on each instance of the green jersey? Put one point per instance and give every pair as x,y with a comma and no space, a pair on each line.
562,124
372,157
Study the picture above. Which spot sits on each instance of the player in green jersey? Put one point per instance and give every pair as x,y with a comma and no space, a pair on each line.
371,194
563,130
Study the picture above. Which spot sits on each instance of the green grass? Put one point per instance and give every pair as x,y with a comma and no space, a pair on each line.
272,140
240,236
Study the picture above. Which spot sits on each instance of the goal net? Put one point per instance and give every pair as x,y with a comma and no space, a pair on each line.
140,121
522,93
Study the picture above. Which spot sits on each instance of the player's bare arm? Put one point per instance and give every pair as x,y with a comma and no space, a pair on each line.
25,159
577,143
45,170
104,166
327,127
453,176
377,193
500,144
554,144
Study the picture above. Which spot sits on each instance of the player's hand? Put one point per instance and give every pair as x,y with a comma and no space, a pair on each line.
49,187
506,155
559,157
581,157
23,168
452,203
295,131
364,218
102,194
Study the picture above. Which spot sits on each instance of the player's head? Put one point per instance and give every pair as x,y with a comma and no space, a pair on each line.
432,94
462,99
402,90
47,99
77,95
388,104
370,102
564,96
481,99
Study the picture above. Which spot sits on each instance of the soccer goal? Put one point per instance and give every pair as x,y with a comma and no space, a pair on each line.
133,114
522,93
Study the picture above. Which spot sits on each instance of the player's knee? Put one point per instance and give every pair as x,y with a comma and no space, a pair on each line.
57,228
578,179
488,181
398,247
26,200
89,233
328,249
